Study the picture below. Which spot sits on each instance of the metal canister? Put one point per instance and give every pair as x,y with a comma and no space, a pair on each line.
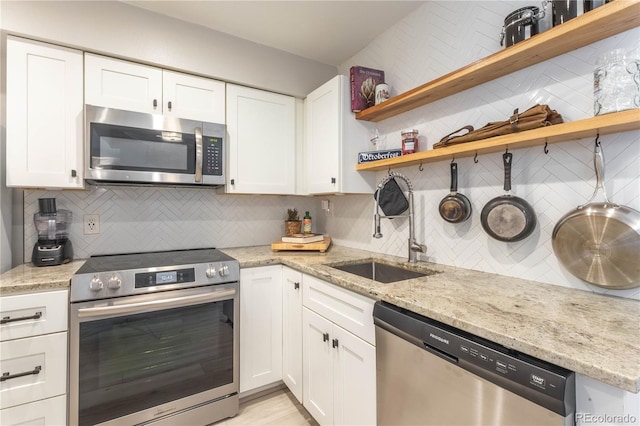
519,25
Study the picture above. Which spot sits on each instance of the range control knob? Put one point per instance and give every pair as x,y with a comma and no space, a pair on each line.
114,282
95,284
211,271
224,270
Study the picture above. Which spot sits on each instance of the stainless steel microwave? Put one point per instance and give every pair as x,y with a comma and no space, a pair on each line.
136,148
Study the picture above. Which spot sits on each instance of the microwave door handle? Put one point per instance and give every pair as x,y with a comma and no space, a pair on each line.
198,177
155,305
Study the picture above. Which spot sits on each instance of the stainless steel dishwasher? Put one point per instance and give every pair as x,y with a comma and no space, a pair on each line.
431,374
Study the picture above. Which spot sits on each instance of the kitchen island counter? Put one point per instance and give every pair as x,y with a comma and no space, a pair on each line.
592,334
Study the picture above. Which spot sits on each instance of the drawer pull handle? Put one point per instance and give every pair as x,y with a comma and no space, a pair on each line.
325,337
296,286
5,320
334,343
7,376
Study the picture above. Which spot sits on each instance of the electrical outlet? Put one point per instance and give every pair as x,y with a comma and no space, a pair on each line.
91,224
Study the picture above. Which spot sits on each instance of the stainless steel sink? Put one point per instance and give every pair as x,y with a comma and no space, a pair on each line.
381,272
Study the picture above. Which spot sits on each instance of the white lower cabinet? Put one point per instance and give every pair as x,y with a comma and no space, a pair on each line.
339,367
292,331
51,411
260,327
33,358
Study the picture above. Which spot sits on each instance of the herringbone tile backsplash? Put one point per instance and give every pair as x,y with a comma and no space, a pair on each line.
437,38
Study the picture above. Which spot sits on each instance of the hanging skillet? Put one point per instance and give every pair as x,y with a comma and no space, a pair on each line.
600,242
508,218
455,207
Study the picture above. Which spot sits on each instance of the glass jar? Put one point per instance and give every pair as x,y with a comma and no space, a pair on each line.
409,141
616,82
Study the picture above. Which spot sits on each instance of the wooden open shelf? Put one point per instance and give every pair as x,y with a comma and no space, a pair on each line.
600,23
603,124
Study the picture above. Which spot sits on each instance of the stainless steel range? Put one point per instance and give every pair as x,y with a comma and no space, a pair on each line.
154,339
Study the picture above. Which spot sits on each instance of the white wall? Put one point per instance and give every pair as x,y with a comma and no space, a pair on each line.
5,193
440,37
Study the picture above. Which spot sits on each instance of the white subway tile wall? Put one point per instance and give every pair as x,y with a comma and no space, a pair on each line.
138,219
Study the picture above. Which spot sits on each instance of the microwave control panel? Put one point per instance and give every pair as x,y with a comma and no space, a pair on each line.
212,156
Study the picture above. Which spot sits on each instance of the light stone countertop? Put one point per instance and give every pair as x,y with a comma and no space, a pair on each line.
592,334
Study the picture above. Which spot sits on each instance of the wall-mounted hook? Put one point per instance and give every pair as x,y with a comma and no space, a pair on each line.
475,158
453,159
597,142
506,151
389,171
546,149
420,167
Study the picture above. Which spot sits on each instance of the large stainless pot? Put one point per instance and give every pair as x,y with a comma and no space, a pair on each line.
600,242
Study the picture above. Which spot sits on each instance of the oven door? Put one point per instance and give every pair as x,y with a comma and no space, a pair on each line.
139,358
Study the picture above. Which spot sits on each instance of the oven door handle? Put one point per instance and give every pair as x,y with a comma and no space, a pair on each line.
155,304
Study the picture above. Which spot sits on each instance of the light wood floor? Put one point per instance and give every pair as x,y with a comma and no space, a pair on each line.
276,408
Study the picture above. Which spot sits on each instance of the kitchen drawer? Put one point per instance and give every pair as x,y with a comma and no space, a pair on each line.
50,411
53,318
349,310
49,353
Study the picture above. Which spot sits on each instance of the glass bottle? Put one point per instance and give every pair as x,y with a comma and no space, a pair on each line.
306,223
409,141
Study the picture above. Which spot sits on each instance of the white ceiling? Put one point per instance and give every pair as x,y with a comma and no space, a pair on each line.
329,32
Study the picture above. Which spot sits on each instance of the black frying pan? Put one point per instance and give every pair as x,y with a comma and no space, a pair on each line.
455,208
508,218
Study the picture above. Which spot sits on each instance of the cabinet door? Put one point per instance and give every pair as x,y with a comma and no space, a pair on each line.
196,98
317,370
322,137
354,378
46,412
260,326
44,115
114,83
292,331
262,147
45,356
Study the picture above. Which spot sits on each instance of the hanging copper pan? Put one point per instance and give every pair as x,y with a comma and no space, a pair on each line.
600,242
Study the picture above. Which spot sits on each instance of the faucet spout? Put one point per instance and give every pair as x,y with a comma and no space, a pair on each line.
413,246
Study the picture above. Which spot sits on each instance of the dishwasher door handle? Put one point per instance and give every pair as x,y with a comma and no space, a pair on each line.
437,352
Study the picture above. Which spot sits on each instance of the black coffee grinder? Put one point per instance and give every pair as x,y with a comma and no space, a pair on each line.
53,246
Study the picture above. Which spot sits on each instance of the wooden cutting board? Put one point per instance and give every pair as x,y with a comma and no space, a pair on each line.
320,246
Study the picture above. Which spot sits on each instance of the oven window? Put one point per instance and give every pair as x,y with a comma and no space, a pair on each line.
129,148
132,363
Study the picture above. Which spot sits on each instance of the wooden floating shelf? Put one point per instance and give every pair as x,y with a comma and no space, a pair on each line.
603,124
600,23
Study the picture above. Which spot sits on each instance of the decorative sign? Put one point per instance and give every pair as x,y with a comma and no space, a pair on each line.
369,156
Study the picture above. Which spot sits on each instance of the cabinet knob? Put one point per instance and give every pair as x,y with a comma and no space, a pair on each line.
325,337
169,105
233,181
334,343
155,103
333,180
296,286
74,173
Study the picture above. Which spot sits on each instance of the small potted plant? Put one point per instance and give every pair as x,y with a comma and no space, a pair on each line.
293,224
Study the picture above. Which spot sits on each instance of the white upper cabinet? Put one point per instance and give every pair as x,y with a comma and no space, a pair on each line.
261,129
115,83
44,115
333,139
197,98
